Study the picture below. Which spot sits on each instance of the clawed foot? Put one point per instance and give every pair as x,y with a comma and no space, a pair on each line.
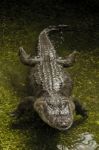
80,109
84,113
14,114
24,107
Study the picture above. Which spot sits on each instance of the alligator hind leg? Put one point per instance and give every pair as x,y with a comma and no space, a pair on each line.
26,59
23,108
80,109
69,60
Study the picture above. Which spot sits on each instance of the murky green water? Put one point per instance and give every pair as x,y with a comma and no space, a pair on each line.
35,135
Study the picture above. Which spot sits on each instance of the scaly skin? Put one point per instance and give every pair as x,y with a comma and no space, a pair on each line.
54,105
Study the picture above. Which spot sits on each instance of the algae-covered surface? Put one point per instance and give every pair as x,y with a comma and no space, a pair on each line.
35,135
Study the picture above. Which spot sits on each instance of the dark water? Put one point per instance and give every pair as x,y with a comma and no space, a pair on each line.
23,30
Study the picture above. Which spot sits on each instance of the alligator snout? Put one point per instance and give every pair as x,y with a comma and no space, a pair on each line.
55,116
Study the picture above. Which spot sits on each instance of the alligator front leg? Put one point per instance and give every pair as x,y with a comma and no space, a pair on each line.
69,60
80,109
26,59
24,107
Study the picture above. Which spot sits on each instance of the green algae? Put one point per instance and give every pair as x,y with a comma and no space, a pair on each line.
13,75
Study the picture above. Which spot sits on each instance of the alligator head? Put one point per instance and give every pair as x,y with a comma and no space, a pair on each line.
56,111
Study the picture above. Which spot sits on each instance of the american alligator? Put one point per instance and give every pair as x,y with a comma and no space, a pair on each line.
51,86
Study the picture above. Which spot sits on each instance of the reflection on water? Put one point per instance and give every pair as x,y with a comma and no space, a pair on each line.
86,141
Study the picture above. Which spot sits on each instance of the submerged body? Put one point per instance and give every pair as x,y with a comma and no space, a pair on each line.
51,85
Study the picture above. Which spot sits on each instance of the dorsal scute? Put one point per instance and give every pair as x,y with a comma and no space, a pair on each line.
45,47
50,73
44,42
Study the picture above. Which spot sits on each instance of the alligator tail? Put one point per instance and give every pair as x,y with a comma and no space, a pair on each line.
51,28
